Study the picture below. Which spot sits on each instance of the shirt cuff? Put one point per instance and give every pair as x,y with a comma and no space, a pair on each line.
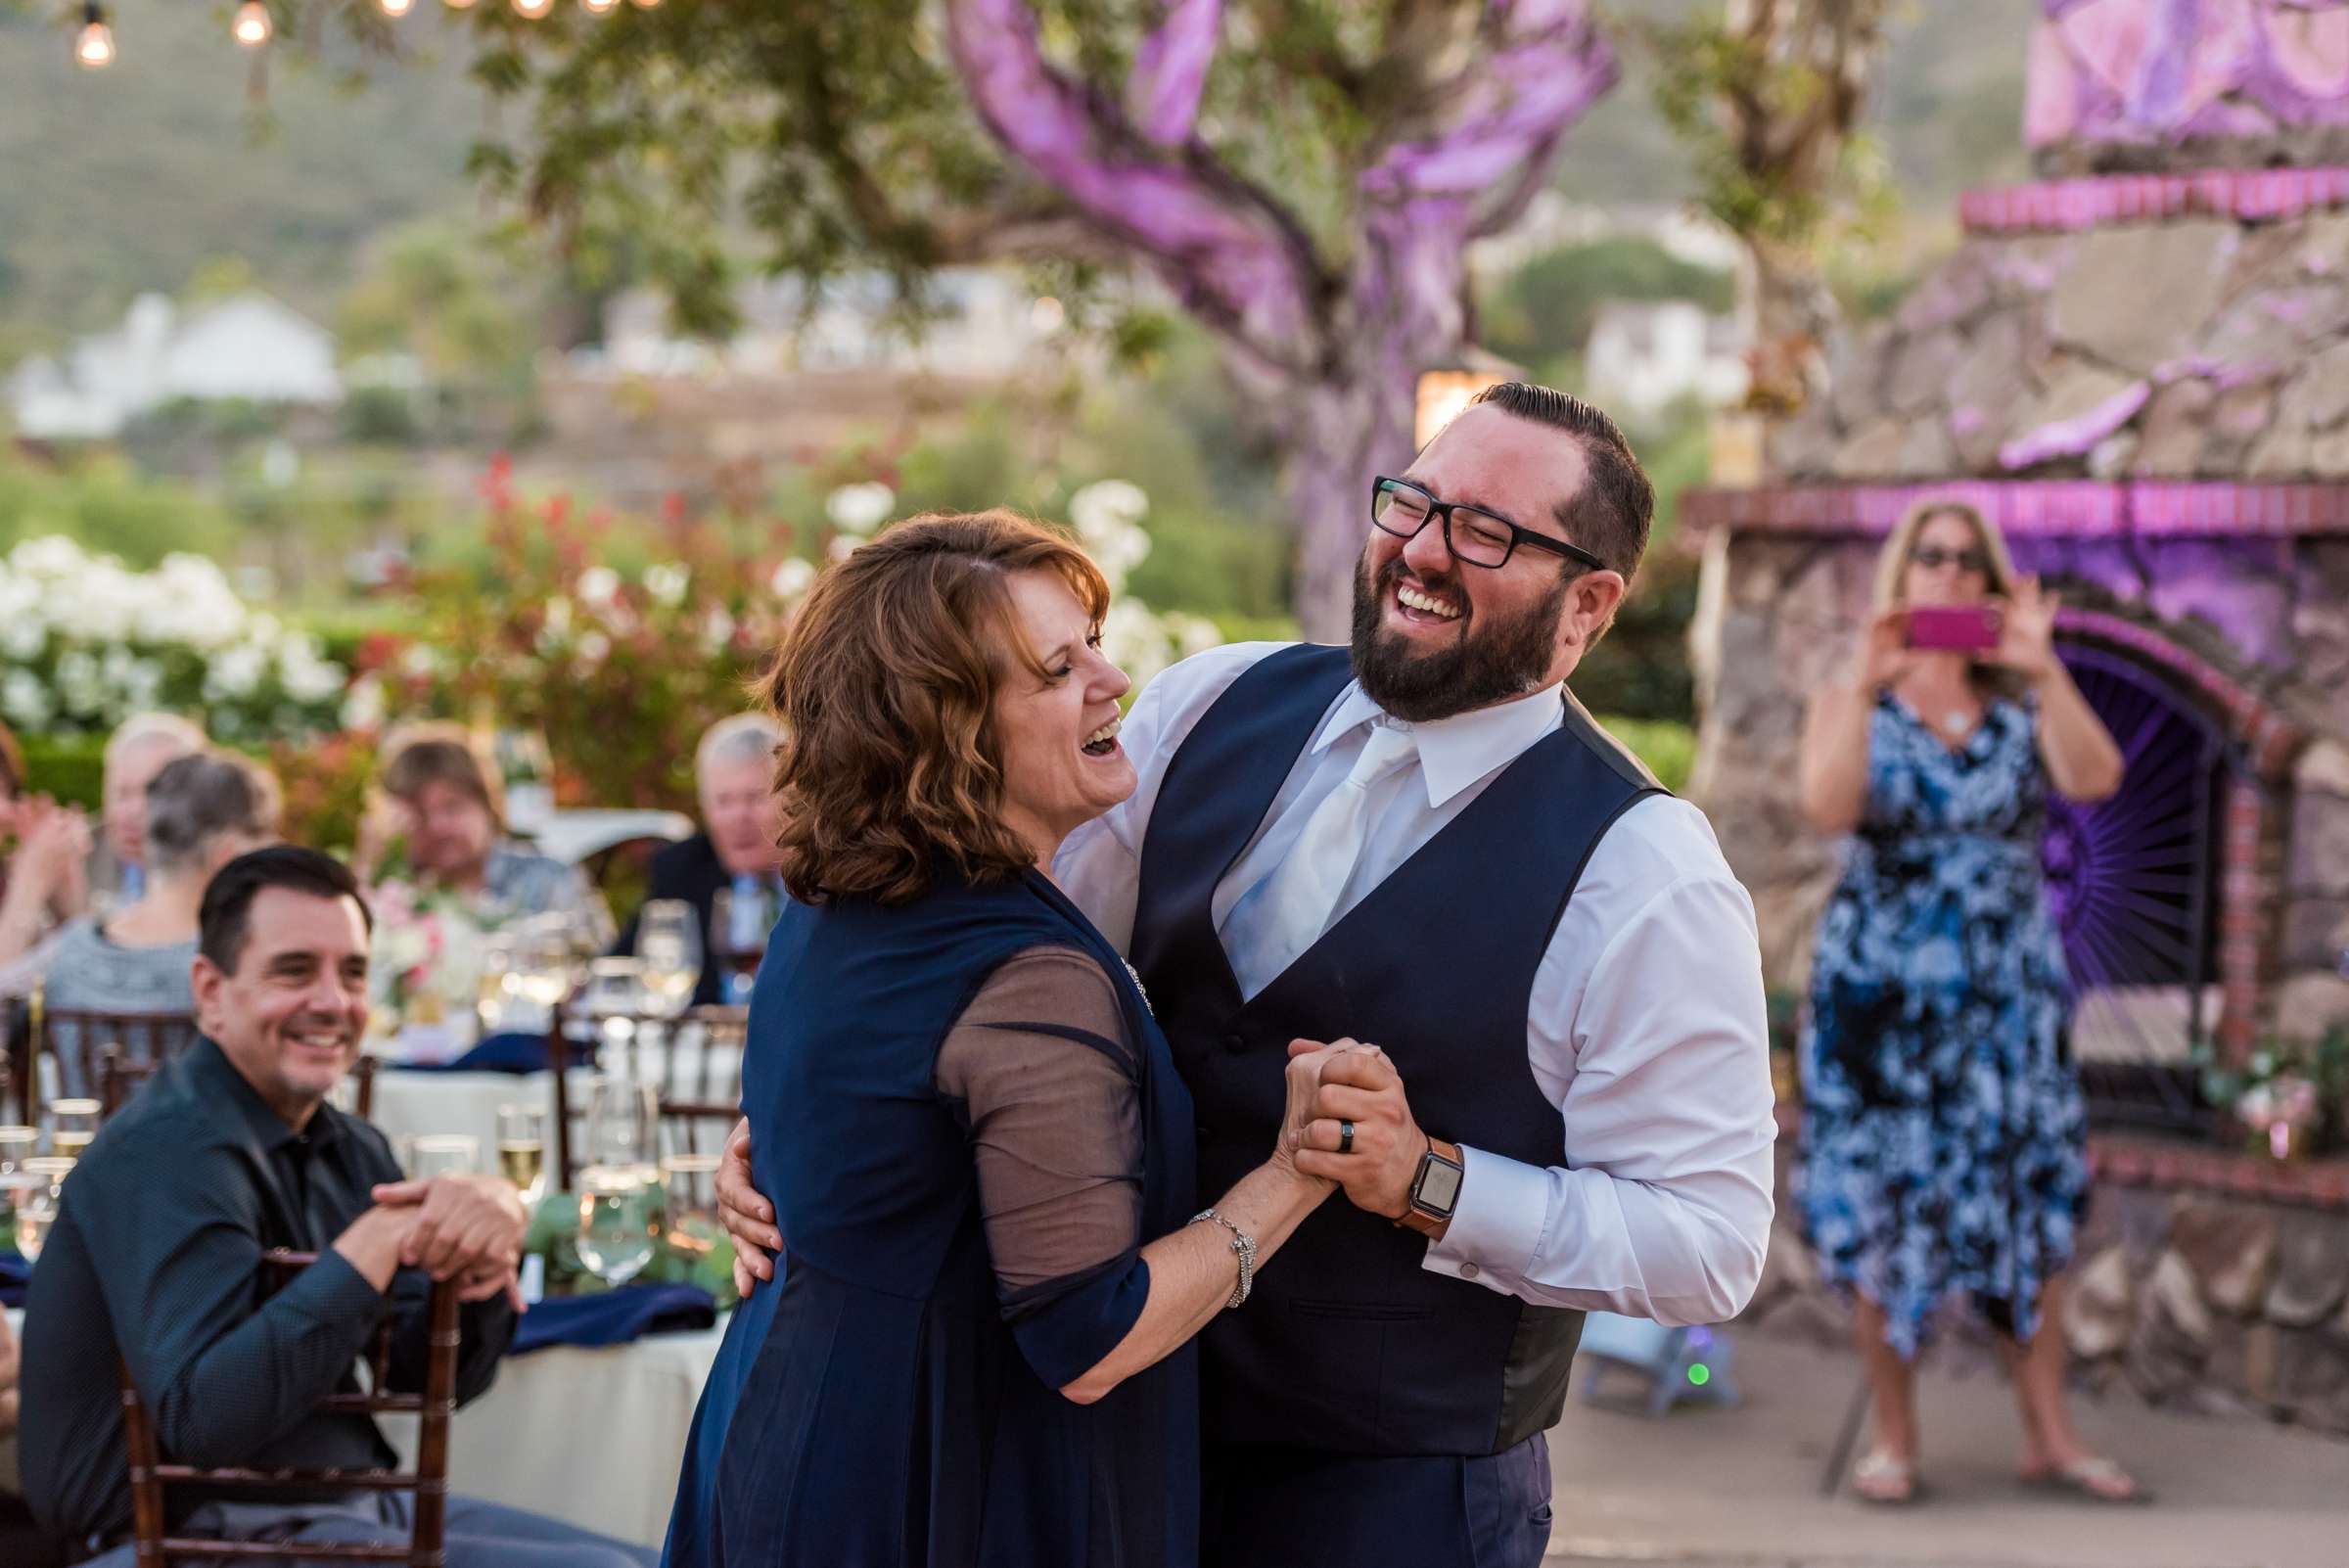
1497,1226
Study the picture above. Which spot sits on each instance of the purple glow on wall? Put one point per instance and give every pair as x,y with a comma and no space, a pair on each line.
2163,71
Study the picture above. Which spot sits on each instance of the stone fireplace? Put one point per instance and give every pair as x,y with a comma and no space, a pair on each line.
2139,366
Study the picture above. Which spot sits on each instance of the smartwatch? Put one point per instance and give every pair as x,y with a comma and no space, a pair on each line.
1436,1189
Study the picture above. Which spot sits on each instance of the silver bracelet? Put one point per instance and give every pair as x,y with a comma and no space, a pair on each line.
1243,1245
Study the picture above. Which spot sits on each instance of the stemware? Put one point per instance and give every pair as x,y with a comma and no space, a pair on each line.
72,1124
436,1154
668,946
37,1201
522,1149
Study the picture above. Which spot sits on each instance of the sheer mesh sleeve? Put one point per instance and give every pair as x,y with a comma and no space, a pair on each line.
1048,1085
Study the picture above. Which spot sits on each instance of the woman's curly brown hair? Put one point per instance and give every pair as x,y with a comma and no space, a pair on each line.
890,773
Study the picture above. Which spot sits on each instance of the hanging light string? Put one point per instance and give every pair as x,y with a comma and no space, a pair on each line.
94,45
254,25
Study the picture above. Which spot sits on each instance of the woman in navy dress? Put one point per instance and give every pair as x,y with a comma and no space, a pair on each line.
1943,1130
979,1154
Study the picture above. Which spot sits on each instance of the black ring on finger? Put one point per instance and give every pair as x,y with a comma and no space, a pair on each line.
1345,1138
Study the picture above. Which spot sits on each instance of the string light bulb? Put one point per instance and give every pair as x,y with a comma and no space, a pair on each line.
599,7
252,25
458,5
646,5
532,9
94,45
395,8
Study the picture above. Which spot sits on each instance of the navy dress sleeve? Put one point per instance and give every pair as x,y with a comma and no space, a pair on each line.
1040,1071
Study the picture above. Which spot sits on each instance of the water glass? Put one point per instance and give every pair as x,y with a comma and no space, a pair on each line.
694,1228
668,946
18,1144
438,1154
620,1220
496,984
72,1124
37,1201
624,1126
522,1149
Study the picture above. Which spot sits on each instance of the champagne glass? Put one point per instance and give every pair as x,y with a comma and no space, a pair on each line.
669,945
620,1220
18,1144
71,1125
438,1154
37,1202
522,1149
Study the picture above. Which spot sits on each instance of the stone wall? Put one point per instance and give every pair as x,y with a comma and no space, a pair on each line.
2182,1297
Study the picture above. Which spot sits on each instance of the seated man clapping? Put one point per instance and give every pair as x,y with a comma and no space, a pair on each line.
230,1151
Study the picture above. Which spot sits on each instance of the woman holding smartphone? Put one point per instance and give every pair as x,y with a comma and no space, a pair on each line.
1943,1132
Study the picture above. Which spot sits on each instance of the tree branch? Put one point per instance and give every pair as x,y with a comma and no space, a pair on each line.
1234,260
1169,71
1498,121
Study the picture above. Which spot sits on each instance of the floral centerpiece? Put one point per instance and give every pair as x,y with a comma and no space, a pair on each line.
426,975
2291,1098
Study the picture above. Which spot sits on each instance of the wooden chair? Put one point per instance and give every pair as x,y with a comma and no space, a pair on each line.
426,1545
708,1077
119,1077
79,1039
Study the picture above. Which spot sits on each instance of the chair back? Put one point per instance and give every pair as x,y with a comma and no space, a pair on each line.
119,1077
693,1059
80,1038
427,1547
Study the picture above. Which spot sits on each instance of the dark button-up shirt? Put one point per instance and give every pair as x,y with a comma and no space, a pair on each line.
157,1256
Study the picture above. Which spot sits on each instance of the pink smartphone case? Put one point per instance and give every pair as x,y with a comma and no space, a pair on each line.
1968,627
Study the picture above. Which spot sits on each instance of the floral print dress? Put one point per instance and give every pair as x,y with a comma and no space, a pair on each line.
1942,1129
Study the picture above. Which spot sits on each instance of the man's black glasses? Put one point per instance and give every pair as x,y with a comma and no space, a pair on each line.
1470,532
1932,557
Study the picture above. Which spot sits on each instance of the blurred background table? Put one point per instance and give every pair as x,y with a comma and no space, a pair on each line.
594,1437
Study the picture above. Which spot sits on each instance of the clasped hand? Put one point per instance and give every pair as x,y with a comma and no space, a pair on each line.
463,1228
1358,1084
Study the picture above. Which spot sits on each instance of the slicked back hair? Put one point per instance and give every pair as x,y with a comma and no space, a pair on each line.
1609,516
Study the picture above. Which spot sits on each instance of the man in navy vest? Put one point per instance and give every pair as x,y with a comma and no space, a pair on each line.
1423,843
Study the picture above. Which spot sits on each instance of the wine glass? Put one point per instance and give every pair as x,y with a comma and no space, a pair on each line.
72,1124
613,995
739,925
620,1220
18,1144
438,1154
497,982
37,1201
544,964
624,1126
522,1149
669,945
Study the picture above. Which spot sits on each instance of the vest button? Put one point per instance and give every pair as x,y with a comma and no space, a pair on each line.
1235,1043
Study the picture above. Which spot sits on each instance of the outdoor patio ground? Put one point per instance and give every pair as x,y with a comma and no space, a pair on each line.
1740,1488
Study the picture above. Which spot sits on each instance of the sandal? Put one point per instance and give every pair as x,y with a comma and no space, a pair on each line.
1883,1477
2096,1478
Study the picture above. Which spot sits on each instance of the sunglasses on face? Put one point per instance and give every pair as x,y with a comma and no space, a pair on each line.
1932,557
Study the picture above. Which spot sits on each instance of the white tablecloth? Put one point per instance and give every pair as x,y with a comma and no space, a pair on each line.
408,1103
594,1437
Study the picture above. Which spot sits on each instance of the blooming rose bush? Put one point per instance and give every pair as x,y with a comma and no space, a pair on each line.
85,642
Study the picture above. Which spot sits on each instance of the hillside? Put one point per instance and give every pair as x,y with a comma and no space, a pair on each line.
133,177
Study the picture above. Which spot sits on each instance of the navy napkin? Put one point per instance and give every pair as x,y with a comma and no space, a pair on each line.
614,1317
15,1273
509,1052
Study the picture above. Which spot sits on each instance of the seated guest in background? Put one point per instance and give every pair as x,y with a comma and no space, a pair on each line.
734,774
140,748
438,797
43,878
229,1151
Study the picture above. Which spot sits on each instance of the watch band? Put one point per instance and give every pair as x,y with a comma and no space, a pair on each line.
1430,1222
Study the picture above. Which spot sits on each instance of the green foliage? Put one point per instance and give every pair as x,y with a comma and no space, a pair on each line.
69,768
1545,308
1668,749
108,506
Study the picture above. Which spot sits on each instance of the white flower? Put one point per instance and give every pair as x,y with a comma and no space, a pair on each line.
23,639
311,679
363,705
719,629
859,508
594,647
80,685
234,671
843,547
421,659
597,584
667,582
1106,505
24,699
791,579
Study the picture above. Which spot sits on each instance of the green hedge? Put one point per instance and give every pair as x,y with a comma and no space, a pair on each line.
71,769
1667,748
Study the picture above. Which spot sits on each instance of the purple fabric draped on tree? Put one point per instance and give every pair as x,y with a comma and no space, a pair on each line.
2161,72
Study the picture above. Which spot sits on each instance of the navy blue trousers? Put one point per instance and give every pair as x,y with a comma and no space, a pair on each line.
480,1535
1284,1508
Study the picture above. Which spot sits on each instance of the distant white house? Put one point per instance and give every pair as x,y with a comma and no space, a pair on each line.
248,348
982,323
1645,355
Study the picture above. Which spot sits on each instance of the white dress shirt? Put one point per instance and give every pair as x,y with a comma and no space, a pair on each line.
1648,1028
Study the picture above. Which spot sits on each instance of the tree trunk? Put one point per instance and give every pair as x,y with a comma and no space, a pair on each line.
1342,432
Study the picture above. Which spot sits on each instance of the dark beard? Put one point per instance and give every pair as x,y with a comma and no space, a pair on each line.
1480,669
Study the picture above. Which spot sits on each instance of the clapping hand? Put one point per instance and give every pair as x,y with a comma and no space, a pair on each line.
1361,1132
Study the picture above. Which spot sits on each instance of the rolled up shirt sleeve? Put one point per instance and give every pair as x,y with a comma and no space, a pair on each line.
1661,1207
